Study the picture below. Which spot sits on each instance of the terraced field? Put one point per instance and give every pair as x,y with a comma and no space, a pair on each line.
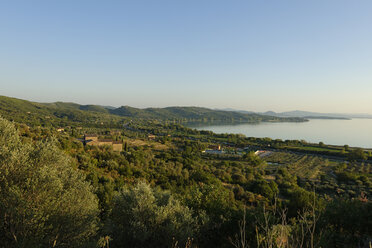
330,177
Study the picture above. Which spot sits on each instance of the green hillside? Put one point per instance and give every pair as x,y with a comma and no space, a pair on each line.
61,113
55,114
196,114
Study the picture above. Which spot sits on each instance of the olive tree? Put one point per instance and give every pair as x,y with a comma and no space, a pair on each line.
44,201
144,217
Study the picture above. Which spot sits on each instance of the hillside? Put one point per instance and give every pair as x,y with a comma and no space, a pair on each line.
61,113
196,114
55,114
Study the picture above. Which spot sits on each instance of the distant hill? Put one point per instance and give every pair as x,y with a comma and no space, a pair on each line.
189,113
307,114
75,106
195,114
65,113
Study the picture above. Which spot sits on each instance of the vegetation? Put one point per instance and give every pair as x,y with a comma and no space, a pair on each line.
143,217
64,114
162,190
44,201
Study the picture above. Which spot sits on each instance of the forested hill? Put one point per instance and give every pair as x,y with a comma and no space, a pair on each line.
62,113
196,114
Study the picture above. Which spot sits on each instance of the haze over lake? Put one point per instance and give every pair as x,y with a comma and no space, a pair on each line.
354,132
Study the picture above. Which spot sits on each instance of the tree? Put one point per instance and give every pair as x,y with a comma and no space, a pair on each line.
346,147
266,189
216,208
358,154
144,217
44,201
348,223
252,158
240,239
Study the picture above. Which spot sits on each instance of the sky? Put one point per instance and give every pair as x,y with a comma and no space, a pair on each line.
249,55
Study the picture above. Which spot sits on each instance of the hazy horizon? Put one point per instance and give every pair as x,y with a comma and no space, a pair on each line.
255,56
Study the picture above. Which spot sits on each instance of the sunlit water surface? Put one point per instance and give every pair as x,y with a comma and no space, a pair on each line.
355,132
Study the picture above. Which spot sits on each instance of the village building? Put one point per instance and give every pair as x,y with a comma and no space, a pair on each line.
215,147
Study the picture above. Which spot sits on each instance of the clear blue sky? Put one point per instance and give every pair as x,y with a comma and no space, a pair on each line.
255,55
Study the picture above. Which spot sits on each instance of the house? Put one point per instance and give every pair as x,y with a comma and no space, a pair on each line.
215,147
262,153
151,137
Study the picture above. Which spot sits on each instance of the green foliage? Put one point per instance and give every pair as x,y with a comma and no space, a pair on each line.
252,159
301,199
216,207
349,223
269,190
202,195
358,154
144,217
44,202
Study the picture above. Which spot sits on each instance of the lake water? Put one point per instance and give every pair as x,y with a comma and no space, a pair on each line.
355,132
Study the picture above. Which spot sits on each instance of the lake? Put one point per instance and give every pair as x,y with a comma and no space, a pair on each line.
354,132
